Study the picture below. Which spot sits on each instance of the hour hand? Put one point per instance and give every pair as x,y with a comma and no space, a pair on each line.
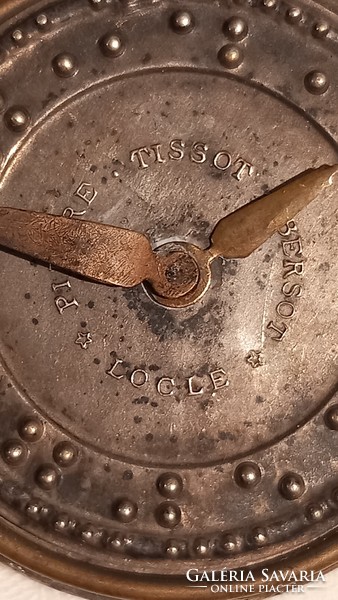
243,231
97,251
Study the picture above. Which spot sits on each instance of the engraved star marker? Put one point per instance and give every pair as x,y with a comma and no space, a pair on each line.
84,339
255,358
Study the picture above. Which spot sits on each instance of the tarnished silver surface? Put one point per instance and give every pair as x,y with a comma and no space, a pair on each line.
135,437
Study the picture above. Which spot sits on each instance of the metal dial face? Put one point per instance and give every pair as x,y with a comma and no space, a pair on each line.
139,437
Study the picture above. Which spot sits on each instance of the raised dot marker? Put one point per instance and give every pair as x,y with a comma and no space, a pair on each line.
125,510
42,21
170,485
331,417
292,486
47,477
65,65
182,21
168,515
247,475
30,429
236,28
294,15
316,82
112,45
17,119
230,56
14,452
64,454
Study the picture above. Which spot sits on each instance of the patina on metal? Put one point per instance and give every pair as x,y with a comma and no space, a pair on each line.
191,421
118,256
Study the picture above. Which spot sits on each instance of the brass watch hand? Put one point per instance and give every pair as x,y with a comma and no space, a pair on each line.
117,256
243,231
96,251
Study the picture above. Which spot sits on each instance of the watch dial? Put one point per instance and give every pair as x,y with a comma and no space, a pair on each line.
135,436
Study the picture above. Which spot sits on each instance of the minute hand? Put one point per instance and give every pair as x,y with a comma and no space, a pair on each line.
246,229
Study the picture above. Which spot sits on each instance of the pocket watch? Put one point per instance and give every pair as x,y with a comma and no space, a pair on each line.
168,298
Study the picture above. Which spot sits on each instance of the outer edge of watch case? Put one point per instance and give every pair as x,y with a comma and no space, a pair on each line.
75,577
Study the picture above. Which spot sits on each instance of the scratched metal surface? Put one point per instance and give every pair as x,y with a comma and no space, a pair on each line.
104,392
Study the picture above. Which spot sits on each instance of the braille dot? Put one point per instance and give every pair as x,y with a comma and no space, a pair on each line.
236,28
14,452
259,537
230,56
72,525
41,21
64,454
45,511
119,542
168,515
331,417
30,429
112,45
170,485
202,548
116,543
292,486
269,3
294,15
247,475
65,65
314,512
230,544
173,549
125,510
320,29
182,21
17,119
47,477
316,82
33,510
61,523
91,535
18,36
